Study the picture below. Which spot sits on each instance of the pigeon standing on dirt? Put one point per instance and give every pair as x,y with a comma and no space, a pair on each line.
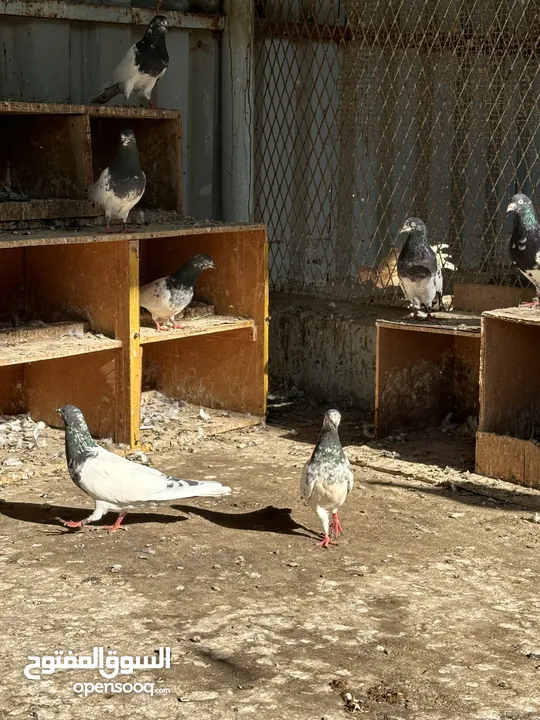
327,477
420,275
168,296
122,184
142,66
525,242
116,484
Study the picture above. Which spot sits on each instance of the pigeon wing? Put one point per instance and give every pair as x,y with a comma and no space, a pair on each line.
111,478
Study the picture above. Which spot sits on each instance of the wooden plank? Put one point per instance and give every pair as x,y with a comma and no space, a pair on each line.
12,285
11,390
202,326
508,458
476,298
527,316
31,333
46,210
86,236
112,111
129,377
87,381
40,350
447,323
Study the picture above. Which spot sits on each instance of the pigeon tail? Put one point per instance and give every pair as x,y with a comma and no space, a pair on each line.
107,94
177,489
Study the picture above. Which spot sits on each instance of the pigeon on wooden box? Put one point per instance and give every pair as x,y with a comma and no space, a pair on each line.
168,296
525,242
327,477
122,184
116,484
419,271
142,66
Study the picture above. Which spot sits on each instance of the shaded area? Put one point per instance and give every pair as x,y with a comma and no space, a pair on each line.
268,519
43,514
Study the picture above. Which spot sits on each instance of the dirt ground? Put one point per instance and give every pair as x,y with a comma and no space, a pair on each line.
428,609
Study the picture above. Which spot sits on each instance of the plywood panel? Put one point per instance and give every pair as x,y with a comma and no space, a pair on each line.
219,371
510,382
477,298
87,381
78,282
11,284
508,458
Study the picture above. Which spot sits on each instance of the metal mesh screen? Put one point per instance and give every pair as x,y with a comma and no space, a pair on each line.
372,111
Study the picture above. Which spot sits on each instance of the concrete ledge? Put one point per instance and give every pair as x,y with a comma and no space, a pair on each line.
326,348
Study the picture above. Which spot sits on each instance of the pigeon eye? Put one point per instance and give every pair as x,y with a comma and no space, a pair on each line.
520,202
413,224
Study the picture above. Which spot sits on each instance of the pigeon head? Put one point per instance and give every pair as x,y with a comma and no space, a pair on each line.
78,438
158,25
414,226
524,210
127,137
187,274
332,419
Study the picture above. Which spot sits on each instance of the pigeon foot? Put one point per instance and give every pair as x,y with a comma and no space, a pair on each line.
533,304
117,525
325,542
160,327
335,528
178,326
71,523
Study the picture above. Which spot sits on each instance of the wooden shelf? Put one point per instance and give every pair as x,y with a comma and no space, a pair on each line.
419,380
199,326
39,350
91,279
55,152
507,440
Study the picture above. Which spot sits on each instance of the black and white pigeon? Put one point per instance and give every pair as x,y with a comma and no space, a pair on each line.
420,275
116,484
525,242
168,296
327,477
142,66
121,185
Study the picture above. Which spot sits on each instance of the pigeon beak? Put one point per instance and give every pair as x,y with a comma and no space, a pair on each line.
405,228
511,208
58,410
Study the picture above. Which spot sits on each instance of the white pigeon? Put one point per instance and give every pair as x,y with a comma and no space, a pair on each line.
327,477
142,66
116,484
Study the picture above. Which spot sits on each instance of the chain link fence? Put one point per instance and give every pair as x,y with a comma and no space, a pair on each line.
372,111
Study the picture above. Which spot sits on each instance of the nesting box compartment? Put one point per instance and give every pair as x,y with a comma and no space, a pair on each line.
95,358
425,370
507,442
55,152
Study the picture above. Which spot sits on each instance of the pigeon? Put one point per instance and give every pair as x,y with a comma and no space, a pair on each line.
525,242
122,184
327,477
142,66
116,484
168,296
419,271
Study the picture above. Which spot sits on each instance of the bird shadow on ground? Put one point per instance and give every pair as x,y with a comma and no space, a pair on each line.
48,514
268,519
494,498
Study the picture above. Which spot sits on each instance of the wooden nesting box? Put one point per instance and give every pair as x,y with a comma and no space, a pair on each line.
96,357
425,370
55,152
507,443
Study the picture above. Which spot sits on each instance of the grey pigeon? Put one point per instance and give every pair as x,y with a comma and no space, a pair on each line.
420,275
116,484
120,186
168,296
142,66
327,477
525,242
